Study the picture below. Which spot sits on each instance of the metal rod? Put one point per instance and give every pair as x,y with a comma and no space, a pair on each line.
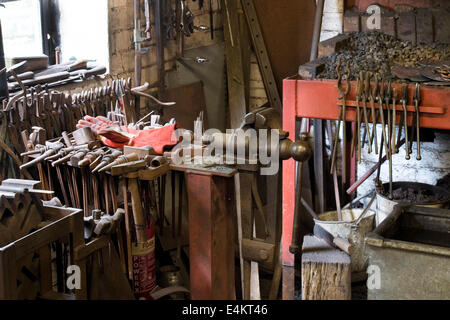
317,29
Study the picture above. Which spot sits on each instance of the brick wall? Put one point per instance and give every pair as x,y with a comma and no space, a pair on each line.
121,25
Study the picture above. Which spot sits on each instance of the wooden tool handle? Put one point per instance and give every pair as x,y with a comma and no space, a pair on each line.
138,215
98,70
343,244
80,64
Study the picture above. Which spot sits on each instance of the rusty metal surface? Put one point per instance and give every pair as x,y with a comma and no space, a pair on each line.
412,266
409,275
212,217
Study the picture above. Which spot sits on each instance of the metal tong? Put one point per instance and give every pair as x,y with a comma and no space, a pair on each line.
404,102
342,117
417,100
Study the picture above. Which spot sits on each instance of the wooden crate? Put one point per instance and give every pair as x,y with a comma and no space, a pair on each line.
26,264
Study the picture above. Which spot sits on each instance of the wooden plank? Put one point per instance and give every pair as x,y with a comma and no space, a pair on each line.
8,285
312,69
211,234
259,46
153,173
287,49
330,46
326,272
235,71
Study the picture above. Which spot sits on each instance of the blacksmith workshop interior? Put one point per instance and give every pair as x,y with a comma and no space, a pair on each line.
224,150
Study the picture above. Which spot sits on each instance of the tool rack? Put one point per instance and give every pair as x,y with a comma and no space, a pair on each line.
211,219
318,99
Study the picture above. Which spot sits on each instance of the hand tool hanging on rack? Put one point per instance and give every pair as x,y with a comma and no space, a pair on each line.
335,177
187,22
404,102
148,23
356,139
387,98
139,51
417,100
365,83
394,120
342,96
372,97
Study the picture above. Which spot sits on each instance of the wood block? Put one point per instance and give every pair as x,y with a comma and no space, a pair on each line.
34,62
310,70
330,46
352,20
142,152
424,26
326,272
128,167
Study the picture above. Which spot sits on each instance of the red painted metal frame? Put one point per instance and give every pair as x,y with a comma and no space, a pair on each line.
318,99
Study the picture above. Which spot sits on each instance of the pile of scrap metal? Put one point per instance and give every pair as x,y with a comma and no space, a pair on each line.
377,52
381,53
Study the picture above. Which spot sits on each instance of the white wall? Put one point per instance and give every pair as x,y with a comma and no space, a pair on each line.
332,19
435,163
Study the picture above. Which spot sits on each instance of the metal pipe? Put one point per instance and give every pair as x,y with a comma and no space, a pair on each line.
317,29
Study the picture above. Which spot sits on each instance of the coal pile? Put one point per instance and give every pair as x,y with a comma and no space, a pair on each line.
378,52
415,195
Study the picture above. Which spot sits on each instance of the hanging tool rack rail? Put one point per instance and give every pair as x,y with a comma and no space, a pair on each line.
318,99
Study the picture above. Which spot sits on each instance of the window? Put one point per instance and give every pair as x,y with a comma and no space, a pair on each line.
78,27
21,28
83,28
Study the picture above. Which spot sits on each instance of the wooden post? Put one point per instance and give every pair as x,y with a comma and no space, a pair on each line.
326,271
211,232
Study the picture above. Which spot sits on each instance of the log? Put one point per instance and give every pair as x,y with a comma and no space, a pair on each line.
326,271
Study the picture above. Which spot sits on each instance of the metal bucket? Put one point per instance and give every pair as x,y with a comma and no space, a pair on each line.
349,230
385,206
